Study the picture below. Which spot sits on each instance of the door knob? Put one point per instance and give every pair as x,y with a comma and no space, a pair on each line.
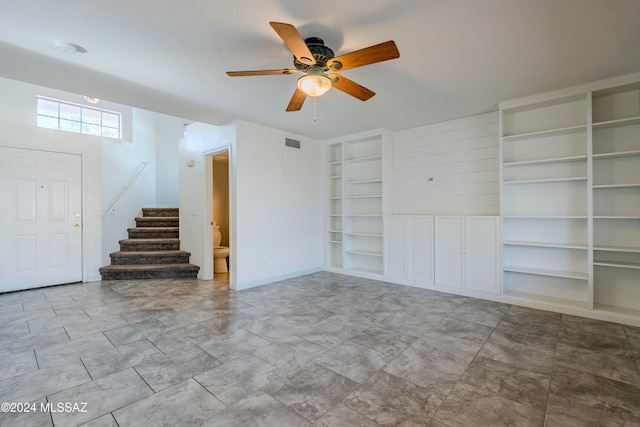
76,225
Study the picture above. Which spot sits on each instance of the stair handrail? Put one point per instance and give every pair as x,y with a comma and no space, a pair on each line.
126,186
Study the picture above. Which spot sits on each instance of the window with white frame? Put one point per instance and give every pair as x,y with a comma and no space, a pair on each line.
70,117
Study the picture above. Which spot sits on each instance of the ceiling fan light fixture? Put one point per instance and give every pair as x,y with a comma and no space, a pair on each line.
314,84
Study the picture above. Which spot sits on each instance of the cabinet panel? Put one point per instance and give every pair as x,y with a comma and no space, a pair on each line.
395,247
421,249
482,254
449,248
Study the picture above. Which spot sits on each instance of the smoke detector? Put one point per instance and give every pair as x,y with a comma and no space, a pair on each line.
68,48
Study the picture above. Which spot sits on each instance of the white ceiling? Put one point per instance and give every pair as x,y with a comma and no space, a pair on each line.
457,57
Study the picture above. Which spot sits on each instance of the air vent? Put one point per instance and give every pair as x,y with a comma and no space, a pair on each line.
292,143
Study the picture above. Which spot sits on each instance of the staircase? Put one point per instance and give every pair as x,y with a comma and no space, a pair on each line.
152,250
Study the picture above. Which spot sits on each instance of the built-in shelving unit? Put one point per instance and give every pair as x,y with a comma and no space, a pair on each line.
355,218
571,198
616,198
334,214
363,204
545,200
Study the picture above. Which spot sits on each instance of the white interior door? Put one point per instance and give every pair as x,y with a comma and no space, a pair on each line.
40,218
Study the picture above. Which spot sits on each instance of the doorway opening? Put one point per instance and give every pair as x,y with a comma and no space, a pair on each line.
220,221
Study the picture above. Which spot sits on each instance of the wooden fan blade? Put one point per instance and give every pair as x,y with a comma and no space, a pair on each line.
296,100
350,87
292,38
260,72
368,55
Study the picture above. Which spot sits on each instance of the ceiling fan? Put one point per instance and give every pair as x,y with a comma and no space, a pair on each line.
315,60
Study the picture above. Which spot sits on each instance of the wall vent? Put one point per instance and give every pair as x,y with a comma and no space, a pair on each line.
292,143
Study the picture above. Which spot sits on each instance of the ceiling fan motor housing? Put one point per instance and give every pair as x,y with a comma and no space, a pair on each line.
320,52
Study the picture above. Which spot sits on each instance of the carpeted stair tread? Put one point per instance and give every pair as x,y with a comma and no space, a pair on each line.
149,271
160,212
139,267
135,254
152,229
153,232
151,240
157,218
166,256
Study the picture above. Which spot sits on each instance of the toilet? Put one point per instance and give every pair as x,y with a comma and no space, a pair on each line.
220,253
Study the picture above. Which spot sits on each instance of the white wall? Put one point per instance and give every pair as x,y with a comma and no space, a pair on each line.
196,193
275,201
451,167
279,205
169,132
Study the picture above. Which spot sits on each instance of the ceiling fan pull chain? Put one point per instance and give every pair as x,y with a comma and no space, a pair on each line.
315,119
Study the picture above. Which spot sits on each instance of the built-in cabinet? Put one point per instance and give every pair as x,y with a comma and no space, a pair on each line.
355,203
571,198
467,253
449,252
409,248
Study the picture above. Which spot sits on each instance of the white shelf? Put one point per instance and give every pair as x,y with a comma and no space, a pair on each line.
337,242
546,180
627,312
372,215
365,253
553,301
365,270
544,245
616,123
599,186
617,264
366,196
544,133
364,234
335,231
546,161
616,249
546,272
615,154
365,181
364,159
615,217
544,216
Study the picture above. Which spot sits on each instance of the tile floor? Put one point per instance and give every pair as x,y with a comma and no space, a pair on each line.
322,349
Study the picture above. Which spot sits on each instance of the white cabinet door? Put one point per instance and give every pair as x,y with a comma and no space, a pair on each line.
449,251
395,247
482,254
420,238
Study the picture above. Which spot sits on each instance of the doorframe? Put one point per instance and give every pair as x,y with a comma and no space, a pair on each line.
208,236
91,187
